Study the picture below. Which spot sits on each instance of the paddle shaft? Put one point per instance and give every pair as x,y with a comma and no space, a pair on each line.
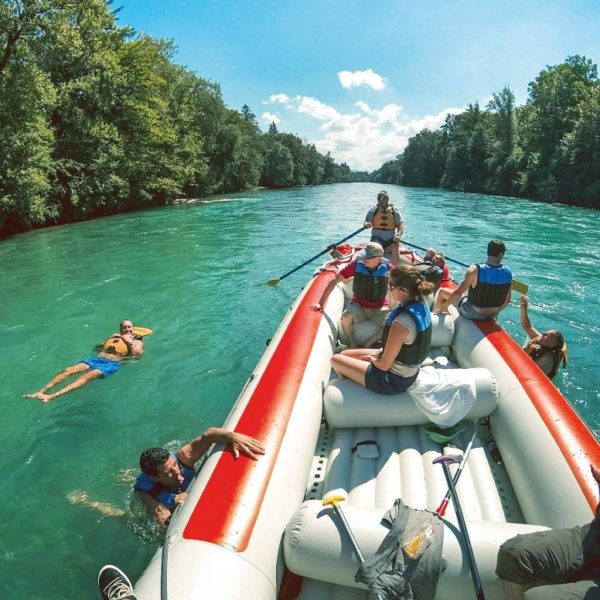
441,510
463,529
518,286
346,527
321,253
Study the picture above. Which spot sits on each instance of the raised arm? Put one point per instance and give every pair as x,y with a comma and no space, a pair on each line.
240,444
469,281
530,330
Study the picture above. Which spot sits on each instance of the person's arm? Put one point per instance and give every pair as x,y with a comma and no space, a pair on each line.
155,510
332,283
506,300
397,336
369,219
240,444
530,330
134,346
399,224
469,280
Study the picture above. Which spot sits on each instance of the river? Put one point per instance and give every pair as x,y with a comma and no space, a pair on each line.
195,274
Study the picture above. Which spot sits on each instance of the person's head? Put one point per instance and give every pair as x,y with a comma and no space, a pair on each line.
496,248
552,339
372,255
438,260
407,285
383,199
125,326
161,467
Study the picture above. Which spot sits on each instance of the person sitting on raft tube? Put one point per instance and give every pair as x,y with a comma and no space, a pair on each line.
166,476
487,286
406,339
547,350
116,348
369,274
387,224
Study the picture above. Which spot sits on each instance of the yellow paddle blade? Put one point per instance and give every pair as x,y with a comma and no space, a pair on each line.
273,281
142,331
519,286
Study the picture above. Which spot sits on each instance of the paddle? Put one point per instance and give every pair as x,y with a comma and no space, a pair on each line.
518,286
462,525
276,281
333,499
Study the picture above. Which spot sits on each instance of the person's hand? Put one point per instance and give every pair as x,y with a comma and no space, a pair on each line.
524,301
127,337
396,239
316,307
246,445
368,224
180,498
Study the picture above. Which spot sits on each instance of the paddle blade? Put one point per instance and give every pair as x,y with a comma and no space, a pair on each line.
273,281
519,286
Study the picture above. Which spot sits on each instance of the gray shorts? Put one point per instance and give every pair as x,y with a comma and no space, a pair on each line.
466,309
360,313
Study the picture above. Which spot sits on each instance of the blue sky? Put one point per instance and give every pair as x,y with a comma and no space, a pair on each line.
359,77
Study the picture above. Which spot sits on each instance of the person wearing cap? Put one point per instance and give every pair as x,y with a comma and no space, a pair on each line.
387,225
369,274
487,286
115,349
547,350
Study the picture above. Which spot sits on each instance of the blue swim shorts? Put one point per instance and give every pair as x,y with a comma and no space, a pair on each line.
384,382
104,365
466,309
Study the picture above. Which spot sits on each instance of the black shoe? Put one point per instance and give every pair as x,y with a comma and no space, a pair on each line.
114,584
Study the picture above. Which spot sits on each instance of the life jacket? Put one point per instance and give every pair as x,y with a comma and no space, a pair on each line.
115,345
161,493
384,218
493,283
559,355
415,353
370,285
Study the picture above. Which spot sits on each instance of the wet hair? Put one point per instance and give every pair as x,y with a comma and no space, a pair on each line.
496,248
560,339
383,195
408,277
151,459
121,323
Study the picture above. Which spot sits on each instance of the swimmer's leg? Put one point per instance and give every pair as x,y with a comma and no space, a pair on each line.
78,368
78,383
108,510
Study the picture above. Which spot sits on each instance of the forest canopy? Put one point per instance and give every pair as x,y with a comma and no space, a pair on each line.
96,119
548,149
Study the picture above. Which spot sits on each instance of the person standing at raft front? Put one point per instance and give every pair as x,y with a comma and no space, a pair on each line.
387,224
116,348
487,286
369,274
406,339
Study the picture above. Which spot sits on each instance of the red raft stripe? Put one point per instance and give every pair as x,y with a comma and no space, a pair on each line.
574,439
227,510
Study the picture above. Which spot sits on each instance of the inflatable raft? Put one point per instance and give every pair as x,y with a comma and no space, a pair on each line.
259,530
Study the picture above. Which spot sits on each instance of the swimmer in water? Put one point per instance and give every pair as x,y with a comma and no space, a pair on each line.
108,360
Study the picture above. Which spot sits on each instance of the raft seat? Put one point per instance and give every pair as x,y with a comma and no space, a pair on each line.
316,548
348,404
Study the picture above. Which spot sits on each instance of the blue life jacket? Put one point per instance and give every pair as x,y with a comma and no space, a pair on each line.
493,283
370,285
161,493
415,353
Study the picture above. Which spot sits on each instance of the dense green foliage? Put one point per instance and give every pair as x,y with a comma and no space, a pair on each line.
548,149
95,119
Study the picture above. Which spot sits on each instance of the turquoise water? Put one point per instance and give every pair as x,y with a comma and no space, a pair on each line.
195,274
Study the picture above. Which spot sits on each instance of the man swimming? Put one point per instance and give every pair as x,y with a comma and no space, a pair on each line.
116,348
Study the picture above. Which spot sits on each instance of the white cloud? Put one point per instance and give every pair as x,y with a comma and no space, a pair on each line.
368,78
268,117
364,139
277,99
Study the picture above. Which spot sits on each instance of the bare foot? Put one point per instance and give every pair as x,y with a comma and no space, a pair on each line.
34,395
44,397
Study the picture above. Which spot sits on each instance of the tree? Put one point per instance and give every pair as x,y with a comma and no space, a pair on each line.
279,166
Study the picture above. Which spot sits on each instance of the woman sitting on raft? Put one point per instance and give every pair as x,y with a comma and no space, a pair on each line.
406,339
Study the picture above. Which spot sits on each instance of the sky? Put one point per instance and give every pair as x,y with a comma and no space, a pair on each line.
358,78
